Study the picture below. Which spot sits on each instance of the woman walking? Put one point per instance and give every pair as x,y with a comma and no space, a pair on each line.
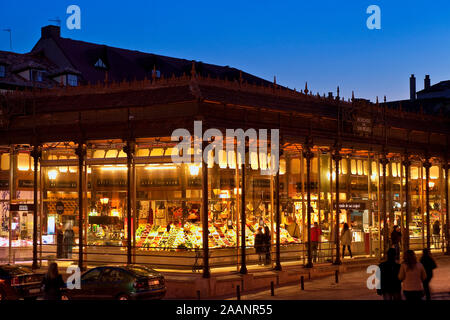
412,274
429,264
346,240
52,283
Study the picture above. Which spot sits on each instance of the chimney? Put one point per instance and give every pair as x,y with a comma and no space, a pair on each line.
50,32
330,95
426,82
412,88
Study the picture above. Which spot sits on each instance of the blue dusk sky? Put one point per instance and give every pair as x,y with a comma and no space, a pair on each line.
325,43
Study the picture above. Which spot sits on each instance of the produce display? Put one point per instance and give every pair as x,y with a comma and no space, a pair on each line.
154,237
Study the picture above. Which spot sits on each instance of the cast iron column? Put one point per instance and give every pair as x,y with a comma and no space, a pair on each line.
243,255
384,161
129,149
337,157
308,155
81,153
36,154
278,222
427,166
406,164
205,233
447,229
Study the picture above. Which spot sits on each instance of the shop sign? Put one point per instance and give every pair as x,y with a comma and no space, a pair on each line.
59,207
261,183
194,182
63,184
227,183
26,184
111,182
362,125
160,182
4,184
21,207
351,205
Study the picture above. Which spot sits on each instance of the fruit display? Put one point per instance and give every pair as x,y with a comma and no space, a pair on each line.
153,237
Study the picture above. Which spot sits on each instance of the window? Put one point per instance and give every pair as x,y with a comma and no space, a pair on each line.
100,64
72,80
2,70
92,275
156,73
36,75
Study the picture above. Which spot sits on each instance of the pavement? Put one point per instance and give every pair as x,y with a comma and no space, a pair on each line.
352,285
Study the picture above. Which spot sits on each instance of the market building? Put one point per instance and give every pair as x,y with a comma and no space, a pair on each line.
96,159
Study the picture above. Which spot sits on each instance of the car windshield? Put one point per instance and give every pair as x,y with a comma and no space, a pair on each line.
16,270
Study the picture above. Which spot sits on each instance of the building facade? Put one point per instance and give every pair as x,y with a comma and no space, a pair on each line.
97,159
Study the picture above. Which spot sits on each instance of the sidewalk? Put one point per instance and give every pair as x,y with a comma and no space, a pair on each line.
223,282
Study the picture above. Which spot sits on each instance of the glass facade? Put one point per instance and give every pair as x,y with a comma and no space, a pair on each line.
165,202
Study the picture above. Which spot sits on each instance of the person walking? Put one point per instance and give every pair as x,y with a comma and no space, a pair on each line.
346,240
59,241
267,244
390,284
260,246
429,264
68,240
436,233
315,240
412,274
396,240
52,283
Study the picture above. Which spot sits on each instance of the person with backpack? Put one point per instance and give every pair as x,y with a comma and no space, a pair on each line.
390,284
436,234
429,264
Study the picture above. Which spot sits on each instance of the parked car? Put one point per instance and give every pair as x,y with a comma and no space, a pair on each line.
118,282
19,282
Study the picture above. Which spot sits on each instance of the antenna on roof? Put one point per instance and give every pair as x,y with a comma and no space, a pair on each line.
10,37
57,20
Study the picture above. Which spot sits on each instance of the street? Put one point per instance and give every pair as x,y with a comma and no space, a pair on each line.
351,286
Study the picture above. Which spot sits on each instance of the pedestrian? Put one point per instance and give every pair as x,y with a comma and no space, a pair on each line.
390,284
259,245
59,241
68,240
429,264
436,233
396,240
52,283
412,274
315,240
268,244
346,240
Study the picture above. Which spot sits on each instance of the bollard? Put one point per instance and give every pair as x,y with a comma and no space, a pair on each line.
272,289
238,292
198,294
336,276
302,282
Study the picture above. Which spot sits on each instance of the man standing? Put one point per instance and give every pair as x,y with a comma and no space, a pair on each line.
396,239
436,233
315,239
